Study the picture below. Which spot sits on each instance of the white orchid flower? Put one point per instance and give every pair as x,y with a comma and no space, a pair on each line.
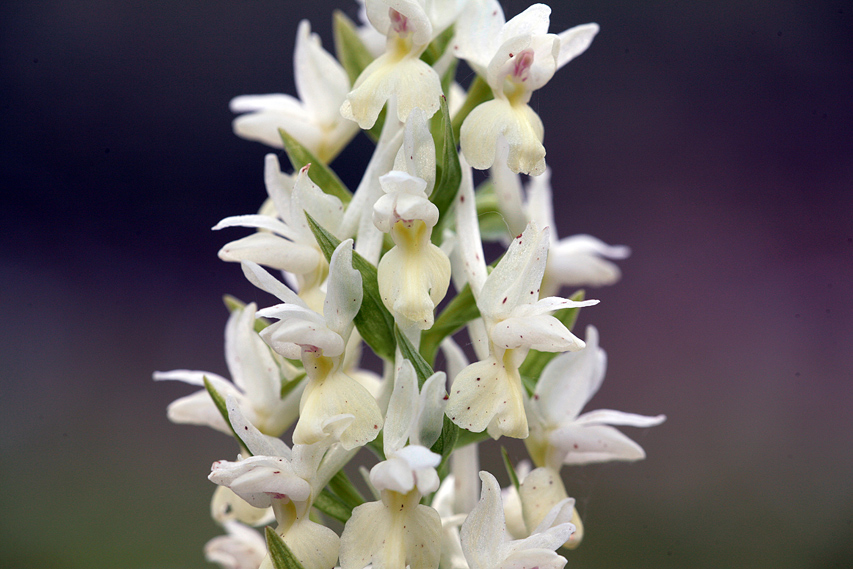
559,433
488,394
397,531
241,548
580,260
334,407
288,481
257,381
516,58
285,240
540,490
414,275
409,25
484,535
314,118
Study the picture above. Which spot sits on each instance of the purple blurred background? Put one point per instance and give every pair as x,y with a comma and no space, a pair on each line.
713,138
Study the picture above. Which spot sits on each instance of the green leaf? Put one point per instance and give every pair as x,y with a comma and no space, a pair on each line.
319,173
445,444
437,47
233,304
345,490
350,50
478,92
449,76
288,386
448,169
536,361
422,368
219,401
280,554
510,469
458,312
332,506
374,322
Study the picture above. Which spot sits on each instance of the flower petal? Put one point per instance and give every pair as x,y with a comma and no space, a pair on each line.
521,127
487,394
575,41
431,407
610,417
543,333
468,229
402,409
273,251
570,380
337,407
590,444
266,282
517,276
483,531
344,292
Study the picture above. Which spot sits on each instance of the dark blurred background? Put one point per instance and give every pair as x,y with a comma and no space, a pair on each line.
714,138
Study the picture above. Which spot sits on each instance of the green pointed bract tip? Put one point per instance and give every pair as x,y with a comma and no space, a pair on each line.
232,303
445,444
280,554
288,386
219,401
349,49
510,469
437,47
375,324
422,369
536,361
320,174
448,171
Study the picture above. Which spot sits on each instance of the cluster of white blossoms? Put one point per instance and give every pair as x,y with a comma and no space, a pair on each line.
373,268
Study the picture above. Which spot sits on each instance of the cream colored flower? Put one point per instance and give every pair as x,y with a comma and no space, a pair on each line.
334,407
414,275
314,118
484,535
285,240
516,58
409,25
488,395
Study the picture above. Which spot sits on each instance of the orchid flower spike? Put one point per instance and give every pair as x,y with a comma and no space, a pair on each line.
488,394
516,58
559,434
409,25
414,275
285,240
484,535
256,387
314,118
334,407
